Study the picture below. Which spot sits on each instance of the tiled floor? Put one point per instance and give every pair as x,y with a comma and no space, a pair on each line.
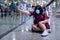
8,23
23,33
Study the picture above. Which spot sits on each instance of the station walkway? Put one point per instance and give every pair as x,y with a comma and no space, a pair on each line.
13,28
23,32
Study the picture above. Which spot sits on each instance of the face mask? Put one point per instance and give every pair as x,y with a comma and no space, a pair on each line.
37,11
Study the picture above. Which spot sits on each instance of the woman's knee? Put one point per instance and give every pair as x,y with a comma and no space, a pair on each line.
40,23
33,26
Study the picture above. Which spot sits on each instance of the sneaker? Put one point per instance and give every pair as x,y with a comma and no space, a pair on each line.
44,34
49,30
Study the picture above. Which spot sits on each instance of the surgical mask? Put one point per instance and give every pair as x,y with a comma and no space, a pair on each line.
37,11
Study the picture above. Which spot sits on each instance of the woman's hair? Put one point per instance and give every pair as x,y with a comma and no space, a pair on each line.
39,8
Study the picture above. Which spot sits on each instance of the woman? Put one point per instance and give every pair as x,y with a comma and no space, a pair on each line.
40,19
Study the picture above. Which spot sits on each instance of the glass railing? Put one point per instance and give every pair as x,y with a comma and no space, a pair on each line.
10,20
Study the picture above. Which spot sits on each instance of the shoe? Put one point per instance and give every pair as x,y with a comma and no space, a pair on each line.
44,34
37,31
49,30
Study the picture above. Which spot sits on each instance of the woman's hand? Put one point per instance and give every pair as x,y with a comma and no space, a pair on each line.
23,11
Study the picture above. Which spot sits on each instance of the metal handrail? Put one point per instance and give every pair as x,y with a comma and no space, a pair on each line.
50,3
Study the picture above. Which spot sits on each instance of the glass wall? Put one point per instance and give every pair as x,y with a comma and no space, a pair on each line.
10,18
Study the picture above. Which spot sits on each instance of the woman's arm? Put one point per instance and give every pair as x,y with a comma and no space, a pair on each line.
44,21
23,11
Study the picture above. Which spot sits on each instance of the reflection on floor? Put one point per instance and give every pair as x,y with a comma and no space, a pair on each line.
23,33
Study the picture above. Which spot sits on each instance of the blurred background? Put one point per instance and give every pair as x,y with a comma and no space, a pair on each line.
11,20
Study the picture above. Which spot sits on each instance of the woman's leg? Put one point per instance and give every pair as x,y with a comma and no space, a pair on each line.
43,27
35,28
